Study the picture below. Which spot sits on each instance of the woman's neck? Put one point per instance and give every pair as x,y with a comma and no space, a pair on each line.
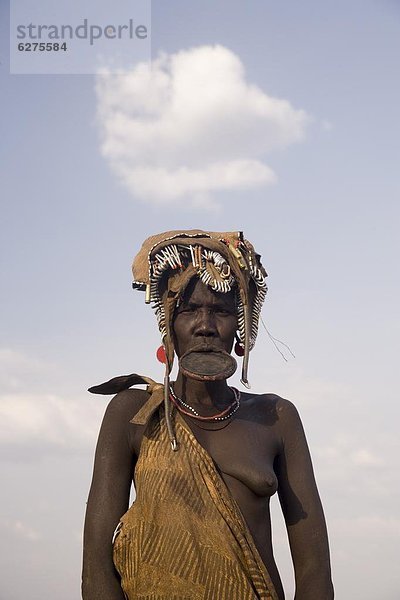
205,393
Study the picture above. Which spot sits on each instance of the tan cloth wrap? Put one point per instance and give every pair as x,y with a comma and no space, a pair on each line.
156,391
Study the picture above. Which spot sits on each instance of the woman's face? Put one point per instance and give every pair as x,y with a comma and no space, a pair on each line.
205,316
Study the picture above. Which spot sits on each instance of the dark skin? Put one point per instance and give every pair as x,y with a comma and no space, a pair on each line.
259,451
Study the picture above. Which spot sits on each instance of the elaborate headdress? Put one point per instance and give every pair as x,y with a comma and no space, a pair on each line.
224,261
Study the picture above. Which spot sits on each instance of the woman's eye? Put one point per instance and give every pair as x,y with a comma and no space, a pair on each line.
187,309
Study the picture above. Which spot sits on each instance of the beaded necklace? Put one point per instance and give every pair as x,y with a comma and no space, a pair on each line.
191,412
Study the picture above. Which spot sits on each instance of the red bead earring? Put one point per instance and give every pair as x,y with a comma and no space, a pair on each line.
239,350
161,356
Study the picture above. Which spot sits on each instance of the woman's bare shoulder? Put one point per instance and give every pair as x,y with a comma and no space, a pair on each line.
276,409
126,403
116,430
280,404
267,401
121,409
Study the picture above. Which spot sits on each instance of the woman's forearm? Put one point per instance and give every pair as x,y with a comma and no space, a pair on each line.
103,586
316,584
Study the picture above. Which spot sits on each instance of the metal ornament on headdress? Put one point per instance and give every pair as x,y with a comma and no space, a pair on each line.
223,261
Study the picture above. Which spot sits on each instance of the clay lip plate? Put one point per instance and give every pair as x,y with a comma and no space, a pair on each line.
207,363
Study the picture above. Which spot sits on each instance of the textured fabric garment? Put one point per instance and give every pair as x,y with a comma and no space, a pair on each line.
185,537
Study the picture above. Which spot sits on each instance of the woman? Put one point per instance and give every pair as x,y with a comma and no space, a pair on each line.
205,457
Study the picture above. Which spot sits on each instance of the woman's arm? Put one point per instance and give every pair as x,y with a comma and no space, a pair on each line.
302,509
108,499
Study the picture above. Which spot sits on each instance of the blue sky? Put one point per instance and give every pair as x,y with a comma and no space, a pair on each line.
327,229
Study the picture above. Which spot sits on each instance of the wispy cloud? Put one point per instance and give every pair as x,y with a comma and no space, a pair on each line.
34,424
371,525
363,457
16,368
19,529
191,125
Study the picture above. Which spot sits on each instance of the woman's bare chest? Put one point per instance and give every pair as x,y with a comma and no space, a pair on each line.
243,451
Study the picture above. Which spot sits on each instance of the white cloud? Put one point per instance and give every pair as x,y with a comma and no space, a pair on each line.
191,125
46,423
368,526
365,458
16,367
33,423
22,530
347,451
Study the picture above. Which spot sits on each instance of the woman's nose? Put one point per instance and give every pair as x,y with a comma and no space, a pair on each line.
205,323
